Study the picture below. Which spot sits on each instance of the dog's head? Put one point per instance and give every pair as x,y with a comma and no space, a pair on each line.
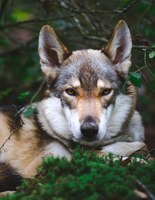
86,81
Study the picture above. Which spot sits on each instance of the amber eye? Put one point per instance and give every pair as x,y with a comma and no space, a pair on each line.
71,92
106,91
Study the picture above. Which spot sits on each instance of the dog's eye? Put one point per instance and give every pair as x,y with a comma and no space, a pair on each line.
105,91
71,91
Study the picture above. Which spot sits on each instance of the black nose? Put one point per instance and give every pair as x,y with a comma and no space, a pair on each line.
89,128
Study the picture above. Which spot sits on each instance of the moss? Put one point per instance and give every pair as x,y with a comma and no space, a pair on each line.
86,177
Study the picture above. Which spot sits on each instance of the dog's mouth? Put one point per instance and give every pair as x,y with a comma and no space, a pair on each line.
89,133
87,141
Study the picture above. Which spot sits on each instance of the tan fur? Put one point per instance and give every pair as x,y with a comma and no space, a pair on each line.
3,194
22,150
23,147
4,128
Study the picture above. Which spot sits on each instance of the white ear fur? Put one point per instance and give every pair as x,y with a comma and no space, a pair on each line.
51,51
118,48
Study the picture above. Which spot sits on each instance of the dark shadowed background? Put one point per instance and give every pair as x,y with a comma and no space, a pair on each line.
79,24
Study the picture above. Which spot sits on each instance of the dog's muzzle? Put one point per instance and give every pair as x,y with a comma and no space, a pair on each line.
89,129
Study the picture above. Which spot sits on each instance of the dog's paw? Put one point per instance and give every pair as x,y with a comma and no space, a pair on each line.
2,194
121,148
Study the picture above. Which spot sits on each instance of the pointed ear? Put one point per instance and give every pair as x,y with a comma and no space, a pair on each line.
51,51
118,48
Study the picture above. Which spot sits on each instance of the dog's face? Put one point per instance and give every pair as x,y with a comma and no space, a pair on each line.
87,86
86,81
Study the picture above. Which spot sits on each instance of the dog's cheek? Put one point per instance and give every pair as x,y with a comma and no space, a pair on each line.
69,102
106,101
104,121
73,122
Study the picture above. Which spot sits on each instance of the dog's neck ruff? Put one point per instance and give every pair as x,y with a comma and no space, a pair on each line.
52,119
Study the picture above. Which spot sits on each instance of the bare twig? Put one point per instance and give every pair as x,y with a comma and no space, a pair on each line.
125,9
85,35
3,5
35,21
37,92
144,79
146,66
92,37
11,134
18,48
12,2
143,47
144,189
17,125
71,8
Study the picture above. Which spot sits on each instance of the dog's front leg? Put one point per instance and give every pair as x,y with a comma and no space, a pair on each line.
54,149
31,169
2,194
121,148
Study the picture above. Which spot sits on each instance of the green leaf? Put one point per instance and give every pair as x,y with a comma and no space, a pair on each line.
152,54
28,112
6,92
21,15
135,78
23,95
4,42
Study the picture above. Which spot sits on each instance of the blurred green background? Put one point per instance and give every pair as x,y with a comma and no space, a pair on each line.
79,24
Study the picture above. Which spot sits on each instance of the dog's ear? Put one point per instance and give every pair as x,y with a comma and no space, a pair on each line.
51,51
118,48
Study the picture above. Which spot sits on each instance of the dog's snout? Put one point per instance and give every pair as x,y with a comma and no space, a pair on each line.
89,128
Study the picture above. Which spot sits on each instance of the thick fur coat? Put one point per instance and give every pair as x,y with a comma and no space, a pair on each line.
88,102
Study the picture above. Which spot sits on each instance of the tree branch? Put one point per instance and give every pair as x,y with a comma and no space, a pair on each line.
144,189
35,21
70,7
18,48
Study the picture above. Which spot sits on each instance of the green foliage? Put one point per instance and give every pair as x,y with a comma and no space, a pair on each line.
28,112
23,95
86,177
135,78
20,15
5,93
152,54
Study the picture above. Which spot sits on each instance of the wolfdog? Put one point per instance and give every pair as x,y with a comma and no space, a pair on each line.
89,102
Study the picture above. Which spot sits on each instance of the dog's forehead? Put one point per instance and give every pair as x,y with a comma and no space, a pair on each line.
88,57
89,62
88,66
